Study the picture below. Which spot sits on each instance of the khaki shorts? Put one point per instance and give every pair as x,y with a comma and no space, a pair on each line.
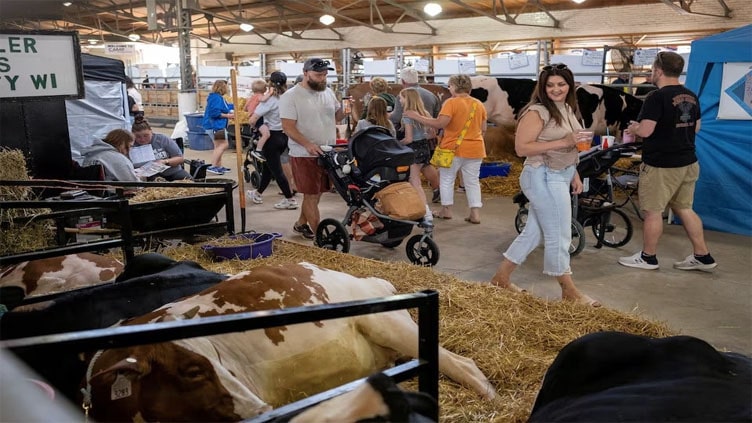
674,186
310,177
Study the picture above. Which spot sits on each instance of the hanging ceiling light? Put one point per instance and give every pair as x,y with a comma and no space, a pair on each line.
134,37
67,3
578,1
93,41
246,27
432,9
326,19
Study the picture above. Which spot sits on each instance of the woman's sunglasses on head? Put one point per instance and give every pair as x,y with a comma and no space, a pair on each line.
557,66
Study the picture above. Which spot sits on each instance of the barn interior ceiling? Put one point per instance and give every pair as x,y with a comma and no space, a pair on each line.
222,21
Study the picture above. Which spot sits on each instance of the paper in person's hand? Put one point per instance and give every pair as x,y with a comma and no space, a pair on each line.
150,169
141,154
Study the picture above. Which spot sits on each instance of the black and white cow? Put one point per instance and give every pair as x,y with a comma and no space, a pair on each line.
612,376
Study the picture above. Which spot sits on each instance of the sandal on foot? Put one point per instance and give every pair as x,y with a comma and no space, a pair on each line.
512,287
438,215
588,301
475,222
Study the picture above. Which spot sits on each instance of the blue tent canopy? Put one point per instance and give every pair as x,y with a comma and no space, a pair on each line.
723,196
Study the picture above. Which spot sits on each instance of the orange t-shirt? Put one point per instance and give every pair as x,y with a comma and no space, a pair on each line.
458,109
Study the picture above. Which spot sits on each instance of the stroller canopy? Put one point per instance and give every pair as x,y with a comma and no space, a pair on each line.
375,147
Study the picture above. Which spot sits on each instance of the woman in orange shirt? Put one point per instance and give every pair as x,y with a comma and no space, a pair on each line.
463,119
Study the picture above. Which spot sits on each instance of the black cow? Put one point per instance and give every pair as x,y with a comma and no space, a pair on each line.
153,280
619,377
600,106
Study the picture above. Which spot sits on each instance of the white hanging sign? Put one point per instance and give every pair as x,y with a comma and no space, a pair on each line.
517,61
645,56
592,58
119,49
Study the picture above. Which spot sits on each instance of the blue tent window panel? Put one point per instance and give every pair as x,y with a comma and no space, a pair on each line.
741,92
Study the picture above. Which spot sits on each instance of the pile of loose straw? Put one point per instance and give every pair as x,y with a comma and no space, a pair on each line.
513,338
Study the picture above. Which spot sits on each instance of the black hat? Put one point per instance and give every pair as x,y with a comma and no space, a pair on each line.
278,78
317,65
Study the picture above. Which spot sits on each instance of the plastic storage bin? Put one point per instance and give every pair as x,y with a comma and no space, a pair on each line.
199,141
494,169
194,122
259,245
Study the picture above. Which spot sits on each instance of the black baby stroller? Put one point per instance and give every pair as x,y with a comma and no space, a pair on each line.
595,207
372,160
249,138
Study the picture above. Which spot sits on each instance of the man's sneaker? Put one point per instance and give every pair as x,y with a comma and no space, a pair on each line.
287,204
304,230
436,196
215,170
637,261
255,196
692,263
225,169
258,155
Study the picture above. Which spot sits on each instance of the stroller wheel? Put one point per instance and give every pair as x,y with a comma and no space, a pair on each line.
578,239
618,229
247,175
332,235
422,250
391,244
521,219
255,179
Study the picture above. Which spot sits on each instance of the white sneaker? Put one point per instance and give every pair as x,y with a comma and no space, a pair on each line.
637,262
287,204
254,196
691,263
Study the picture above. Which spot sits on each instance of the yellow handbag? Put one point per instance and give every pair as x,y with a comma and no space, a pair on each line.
443,157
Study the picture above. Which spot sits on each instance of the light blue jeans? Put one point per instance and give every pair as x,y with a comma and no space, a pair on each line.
549,218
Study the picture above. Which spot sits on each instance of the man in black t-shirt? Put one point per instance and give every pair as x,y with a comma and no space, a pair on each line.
668,121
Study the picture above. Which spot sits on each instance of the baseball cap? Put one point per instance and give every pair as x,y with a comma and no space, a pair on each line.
278,78
317,65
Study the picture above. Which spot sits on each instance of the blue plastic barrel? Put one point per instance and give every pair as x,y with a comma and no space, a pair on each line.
199,141
194,121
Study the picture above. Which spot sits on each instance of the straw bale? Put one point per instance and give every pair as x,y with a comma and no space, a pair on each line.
16,238
165,193
512,337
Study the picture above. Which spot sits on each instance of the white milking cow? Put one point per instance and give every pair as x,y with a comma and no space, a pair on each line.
239,375
59,274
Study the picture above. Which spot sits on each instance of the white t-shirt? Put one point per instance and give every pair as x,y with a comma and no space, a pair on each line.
314,113
136,96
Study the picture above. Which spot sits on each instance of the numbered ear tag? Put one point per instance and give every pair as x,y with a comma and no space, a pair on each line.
121,388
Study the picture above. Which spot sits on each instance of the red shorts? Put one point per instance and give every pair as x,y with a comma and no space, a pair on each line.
310,177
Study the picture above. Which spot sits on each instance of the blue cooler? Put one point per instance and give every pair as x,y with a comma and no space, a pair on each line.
200,141
194,122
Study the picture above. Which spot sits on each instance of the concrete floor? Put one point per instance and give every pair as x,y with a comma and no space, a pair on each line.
716,307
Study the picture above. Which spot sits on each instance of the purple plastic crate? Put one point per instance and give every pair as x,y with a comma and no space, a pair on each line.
494,169
259,245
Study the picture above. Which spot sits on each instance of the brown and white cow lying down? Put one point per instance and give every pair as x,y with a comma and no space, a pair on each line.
240,375
59,274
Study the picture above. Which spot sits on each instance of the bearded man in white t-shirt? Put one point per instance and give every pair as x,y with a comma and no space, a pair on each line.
309,115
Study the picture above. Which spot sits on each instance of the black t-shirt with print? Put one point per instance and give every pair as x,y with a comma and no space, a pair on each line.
676,111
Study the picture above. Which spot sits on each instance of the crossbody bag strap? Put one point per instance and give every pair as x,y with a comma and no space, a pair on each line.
467,125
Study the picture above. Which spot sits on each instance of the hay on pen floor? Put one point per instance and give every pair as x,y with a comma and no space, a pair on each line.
513,338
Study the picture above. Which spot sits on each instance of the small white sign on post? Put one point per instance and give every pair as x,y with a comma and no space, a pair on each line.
592,58
645,56
119,49
517,61
40,64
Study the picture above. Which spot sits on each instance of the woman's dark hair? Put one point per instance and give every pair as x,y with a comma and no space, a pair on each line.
129,83
539,93
139,124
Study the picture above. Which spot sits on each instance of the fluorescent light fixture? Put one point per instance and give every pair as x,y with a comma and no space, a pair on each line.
432,9
67,3
326,19
579,1
246,27
134,37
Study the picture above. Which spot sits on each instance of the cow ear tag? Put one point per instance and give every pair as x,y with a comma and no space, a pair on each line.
121,388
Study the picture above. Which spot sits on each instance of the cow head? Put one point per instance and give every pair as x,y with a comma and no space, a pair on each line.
167,382
603,107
